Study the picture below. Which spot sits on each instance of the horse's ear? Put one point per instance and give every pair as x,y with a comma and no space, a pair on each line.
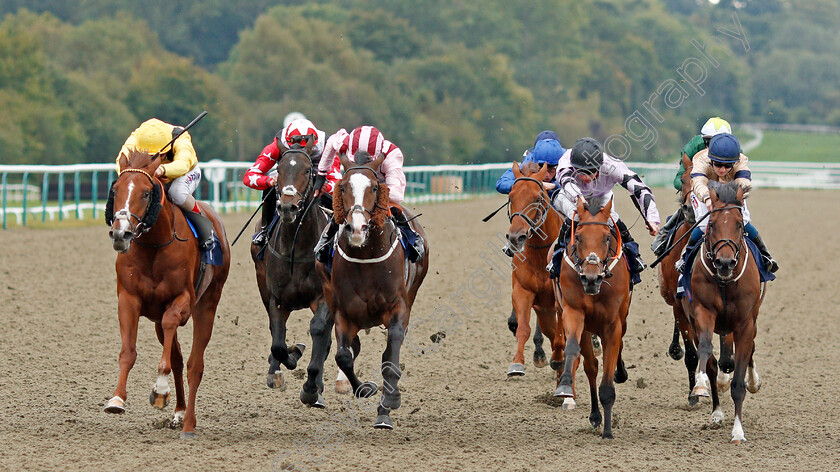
377,162
739,194
345,162
310,144
542,172
581,208
517,172
713,194
123,161
607,208
687,161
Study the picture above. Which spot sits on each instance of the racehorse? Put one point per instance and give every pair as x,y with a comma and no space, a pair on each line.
160,275
534,225
725,297
286,277
668,280
370,282
594,290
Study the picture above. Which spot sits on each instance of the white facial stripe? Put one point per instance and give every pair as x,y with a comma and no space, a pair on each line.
292,162
358,185
124,219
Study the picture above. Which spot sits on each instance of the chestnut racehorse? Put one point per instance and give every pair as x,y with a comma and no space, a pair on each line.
371,283
158,276
726,294
668,279
594,289
534,226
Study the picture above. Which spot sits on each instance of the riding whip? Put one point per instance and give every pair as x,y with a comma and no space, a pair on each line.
659,259
491,215
252,216
179,133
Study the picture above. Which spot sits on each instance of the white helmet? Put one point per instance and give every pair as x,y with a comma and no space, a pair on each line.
295,115
715,126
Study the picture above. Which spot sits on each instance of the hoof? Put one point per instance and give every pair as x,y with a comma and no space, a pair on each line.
115,405
700,391
159,401
383,422
754,387
391,401
596,345
693,399
516,370
564,391
343,387
367,390
676,351
620,375
539,360
607,435
276,380
556,365
595,421
297,350
738,441
177,421
187,434
315,400
569,403
722,382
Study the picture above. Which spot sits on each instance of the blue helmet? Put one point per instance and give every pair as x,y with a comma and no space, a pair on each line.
546,151
724,148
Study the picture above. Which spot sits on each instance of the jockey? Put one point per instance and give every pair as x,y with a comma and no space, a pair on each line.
545,151
723,162
713,127
370,139
587,172
178,170
262,175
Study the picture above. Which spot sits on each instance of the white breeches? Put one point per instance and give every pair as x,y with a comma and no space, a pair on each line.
184,186
700,210
568,206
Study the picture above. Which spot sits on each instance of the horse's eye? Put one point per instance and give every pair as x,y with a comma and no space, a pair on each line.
146,194
606,239
376,189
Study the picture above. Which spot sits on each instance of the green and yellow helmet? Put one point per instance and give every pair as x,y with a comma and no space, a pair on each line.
715,126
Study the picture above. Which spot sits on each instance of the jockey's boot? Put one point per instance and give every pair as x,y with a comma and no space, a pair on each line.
553,267
637,265
696,234
203,225
659,242
419,249
268,211
322,249
770,264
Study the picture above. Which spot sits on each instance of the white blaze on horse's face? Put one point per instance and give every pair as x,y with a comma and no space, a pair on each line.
123,214
359,184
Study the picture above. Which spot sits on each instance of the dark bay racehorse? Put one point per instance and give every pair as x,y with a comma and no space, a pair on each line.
726,294
594,289
158,276
534,226
668,279
371,283
286,276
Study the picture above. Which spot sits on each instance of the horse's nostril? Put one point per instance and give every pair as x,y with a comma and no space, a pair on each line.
364,227
521,239
126,236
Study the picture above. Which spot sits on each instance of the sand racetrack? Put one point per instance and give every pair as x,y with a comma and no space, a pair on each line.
59,339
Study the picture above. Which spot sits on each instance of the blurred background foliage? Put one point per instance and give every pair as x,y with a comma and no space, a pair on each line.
449,82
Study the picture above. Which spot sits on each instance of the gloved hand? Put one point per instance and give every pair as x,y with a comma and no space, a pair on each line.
320,180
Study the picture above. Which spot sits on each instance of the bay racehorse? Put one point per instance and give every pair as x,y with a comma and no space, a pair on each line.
725,296
286,275
160,275
594,292
534,226
370,282
668,280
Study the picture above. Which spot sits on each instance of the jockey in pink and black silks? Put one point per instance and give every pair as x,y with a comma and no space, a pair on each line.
262,175
370,140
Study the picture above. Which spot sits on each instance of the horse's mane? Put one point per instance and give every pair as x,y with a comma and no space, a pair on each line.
727,193
593,206
362,157
529,168
138,159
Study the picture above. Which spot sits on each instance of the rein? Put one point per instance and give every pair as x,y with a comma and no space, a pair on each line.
592,259
542,213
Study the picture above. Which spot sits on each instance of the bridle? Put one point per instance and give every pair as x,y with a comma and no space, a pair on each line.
143,225
542,209
711,250
605,266
290,190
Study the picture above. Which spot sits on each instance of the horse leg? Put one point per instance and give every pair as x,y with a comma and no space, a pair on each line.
753,380
540,360
726,362
744,346
344,357
391,372
277,317
675,350
320,329
178,374
573,328
690,350
717,411
522,302
606,392
704,322
511,322
128,309
342,385
203,318
590,366
172,317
